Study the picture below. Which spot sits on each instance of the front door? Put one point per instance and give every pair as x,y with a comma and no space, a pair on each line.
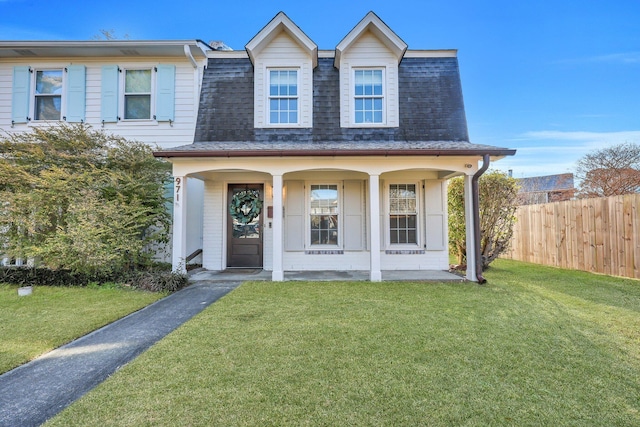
244,225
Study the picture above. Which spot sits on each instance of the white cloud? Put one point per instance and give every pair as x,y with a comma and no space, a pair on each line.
624,58
549,152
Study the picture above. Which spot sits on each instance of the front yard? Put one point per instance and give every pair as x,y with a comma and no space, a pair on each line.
53,316
536,346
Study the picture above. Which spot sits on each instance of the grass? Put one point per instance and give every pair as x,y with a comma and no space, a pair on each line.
52,316
536,346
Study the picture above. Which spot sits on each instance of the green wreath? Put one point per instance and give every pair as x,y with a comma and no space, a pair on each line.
245,206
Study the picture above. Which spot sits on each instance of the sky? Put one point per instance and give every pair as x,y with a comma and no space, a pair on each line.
554,79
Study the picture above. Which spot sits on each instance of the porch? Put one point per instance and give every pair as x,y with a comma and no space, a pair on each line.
243,274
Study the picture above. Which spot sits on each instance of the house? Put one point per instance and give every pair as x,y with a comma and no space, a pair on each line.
328,159
546,189
143,90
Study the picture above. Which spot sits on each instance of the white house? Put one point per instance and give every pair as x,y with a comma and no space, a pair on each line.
143,90
327,159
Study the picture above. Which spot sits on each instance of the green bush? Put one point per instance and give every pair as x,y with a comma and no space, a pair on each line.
157,281
153,280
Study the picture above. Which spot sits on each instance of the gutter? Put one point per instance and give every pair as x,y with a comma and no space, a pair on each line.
331,153
476,217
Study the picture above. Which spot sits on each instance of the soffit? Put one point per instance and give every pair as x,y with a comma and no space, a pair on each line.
110,48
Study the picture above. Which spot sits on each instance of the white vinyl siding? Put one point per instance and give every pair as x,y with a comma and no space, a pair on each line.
163,134
283,53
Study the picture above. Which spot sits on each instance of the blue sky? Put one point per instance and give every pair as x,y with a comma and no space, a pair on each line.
553,79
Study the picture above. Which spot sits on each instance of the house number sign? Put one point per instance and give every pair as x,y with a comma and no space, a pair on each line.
178,188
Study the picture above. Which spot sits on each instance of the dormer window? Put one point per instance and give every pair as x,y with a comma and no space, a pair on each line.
368,96
283,97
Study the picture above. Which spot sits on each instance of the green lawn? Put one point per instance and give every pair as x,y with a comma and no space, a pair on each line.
535,346
53,316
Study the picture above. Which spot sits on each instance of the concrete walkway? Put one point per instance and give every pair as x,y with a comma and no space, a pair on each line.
38,390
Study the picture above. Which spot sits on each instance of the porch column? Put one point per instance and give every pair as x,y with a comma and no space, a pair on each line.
375,275
470,237
278,274
179,252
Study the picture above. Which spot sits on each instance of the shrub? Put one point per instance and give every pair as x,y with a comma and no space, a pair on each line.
158,281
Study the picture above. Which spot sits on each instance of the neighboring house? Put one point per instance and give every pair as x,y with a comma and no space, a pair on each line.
546,189
327,159
143,90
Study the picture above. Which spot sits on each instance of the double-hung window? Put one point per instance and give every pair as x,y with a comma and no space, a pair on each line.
137,94
48,95
324,214
403,214
368,96
283,97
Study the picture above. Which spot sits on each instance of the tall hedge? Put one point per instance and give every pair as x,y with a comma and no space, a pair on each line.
497,194
80,199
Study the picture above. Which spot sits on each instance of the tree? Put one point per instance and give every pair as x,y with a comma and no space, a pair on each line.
498,202
610,171
80,199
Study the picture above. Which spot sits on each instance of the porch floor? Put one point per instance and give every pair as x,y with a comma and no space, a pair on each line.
245,274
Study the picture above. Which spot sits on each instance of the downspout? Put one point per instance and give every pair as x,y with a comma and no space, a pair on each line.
187,53
476,217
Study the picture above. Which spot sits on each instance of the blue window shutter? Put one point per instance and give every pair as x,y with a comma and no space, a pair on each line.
109,93
21,94
76,93
166,92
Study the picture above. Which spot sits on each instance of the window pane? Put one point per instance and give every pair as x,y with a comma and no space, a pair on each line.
137,107
49,82
324,214
283,90
137,81
403,214
47,108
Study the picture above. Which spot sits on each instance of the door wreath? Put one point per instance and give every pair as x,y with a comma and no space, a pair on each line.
245,206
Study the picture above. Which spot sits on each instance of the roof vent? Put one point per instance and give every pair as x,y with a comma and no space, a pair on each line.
24,52
219,45
130,52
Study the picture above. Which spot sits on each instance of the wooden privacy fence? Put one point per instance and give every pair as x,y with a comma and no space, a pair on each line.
598,235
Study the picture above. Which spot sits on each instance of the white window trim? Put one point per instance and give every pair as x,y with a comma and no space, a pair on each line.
267,97
307,209
352,96
419,217
32,95
121,95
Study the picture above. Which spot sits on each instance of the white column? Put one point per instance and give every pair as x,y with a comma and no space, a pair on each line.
470,236
179,253
375,275
278,274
